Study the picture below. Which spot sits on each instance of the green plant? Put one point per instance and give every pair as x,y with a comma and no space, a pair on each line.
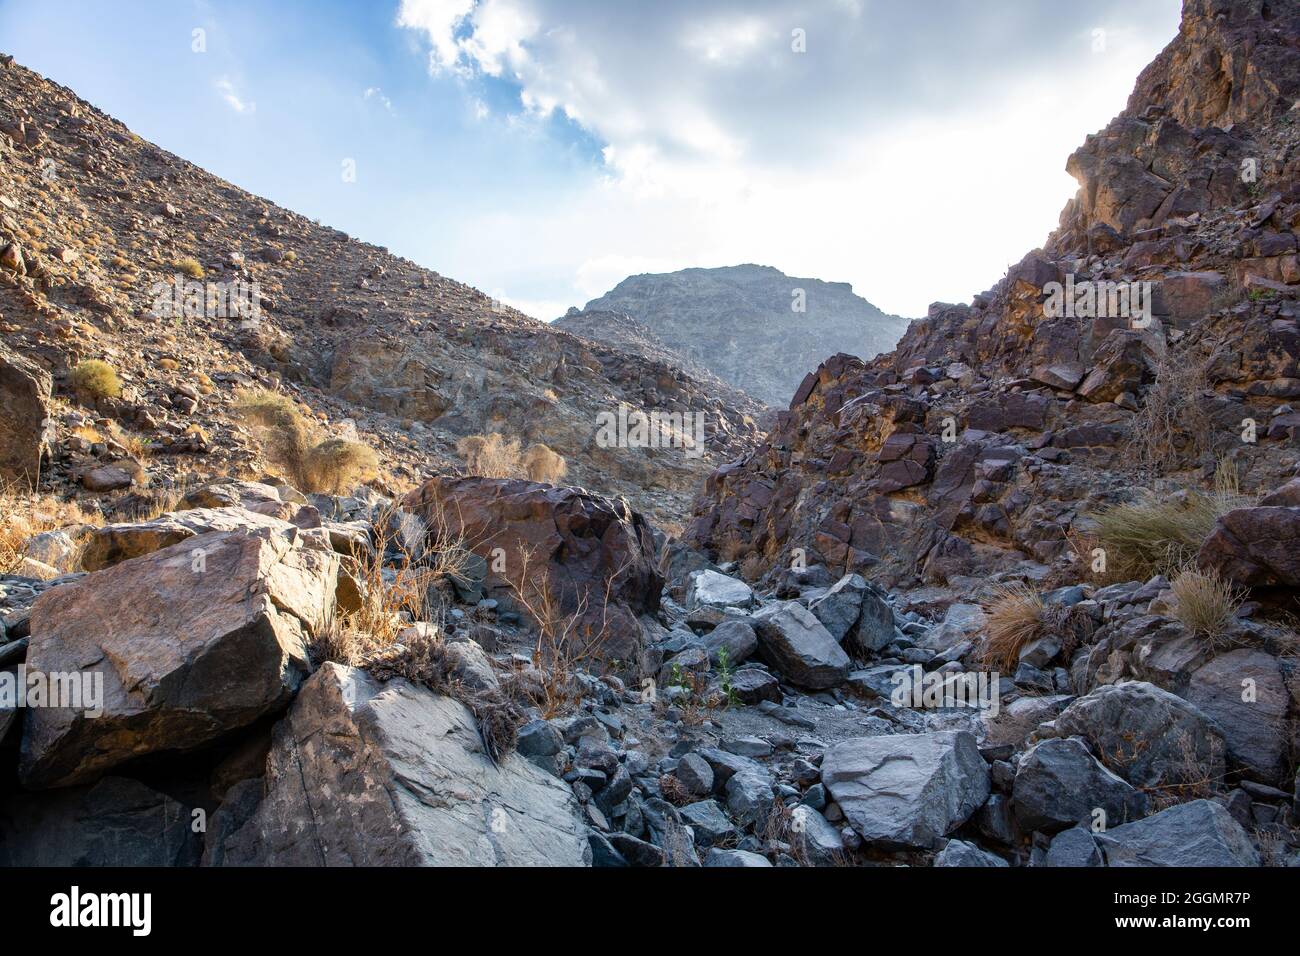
730,699
95,379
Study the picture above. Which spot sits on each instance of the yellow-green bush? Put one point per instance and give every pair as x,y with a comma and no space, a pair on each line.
95,379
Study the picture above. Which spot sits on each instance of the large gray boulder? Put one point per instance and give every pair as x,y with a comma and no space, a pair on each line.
1243,691
1200,833
714,589
961,853
794,642
1059,784
182,646
838,608
24,397
1148,736
363,773
907,790
736,637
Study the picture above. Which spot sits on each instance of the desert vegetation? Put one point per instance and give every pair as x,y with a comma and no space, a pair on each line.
292,443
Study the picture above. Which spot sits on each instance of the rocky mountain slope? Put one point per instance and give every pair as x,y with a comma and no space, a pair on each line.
93,219
752,326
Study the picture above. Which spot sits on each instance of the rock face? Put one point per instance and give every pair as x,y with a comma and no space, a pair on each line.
409,784
1200,833
1256,547
739,323
190,642
908,790
583,547
116,822
794,642
24,395
1147,735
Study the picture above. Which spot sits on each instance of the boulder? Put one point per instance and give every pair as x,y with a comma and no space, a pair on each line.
579,548
116,822
794,642
749,797
737,637
409,784
24,395
1243,691
961,853
874,630
1147,735
708,821
1200,833
838,608
113,543
751,685
814,838
1073,847
717,857
181,650
709,588
907,790
1255,547
1059,784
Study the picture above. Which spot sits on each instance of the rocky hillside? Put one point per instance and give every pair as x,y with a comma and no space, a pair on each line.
95,222
752,326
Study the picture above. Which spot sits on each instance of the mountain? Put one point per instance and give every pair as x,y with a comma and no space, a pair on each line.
95,223
752,326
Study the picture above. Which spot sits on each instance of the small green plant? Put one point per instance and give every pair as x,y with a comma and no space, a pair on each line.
95,379
730,699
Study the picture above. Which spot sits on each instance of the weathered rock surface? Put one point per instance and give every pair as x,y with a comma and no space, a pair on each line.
1243,691
1147,735
409,784
794,642
908,790
185,651
24,395
1257,547
1059,784
584,547
1200,833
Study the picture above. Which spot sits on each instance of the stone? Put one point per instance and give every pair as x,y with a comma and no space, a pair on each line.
838,608
113,543
117,822
581,546
410,784
471,666
875,628
751,685
708,821
1254,728
539,738
1073,847
1200,833
695,775
107,478
736,637
1059,784
25,390
794,642
814,837
749,797
961,853
717,857
185,652
709,588
1148,736
1255,547
907,790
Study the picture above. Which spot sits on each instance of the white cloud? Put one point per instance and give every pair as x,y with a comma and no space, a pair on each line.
377,94
232,98
914,152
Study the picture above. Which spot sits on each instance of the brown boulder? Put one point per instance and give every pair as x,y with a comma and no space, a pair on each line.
581,547
1256,547
176,648
24,396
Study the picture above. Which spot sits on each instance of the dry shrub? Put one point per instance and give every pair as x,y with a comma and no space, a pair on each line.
23,516
1205,602
491,456
292,444
1159,534
95,379
1172,428
543,465
190,266
1015,615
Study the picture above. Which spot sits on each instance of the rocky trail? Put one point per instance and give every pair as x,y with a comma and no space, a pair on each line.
1021,593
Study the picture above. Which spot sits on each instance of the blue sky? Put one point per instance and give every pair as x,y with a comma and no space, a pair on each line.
544,149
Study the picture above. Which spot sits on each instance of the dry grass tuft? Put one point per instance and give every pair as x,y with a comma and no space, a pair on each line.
190,266
543,465
491,456
1205,602
1172,428
1158,535
95,379
24,515
1015,618
291,443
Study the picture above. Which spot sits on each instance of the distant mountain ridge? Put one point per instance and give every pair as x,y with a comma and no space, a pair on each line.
753,326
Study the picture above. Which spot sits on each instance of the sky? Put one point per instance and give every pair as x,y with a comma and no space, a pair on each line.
543,150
